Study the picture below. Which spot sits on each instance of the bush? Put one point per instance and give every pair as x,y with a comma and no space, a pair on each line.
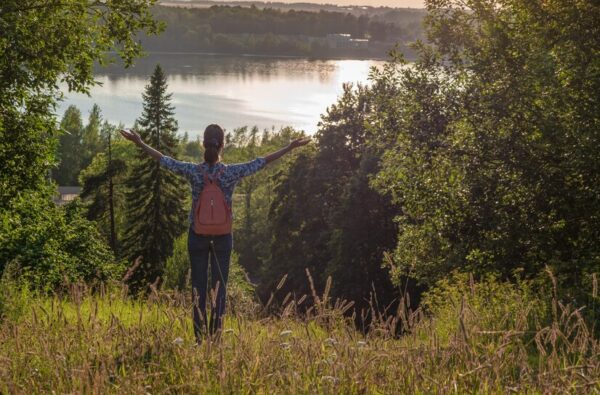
177,276
50,246
178,265
486,305
15,297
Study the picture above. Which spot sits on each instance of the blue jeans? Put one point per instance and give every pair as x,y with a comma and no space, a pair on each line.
200,248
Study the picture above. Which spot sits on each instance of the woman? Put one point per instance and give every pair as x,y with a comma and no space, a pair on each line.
200,246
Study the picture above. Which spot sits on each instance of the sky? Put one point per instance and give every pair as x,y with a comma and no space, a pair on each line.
374,3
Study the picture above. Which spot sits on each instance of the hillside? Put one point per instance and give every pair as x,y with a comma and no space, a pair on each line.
108,343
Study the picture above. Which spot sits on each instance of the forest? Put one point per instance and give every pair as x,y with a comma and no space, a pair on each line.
269,31
440,234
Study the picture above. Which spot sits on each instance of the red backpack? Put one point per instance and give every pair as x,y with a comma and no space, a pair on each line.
212,214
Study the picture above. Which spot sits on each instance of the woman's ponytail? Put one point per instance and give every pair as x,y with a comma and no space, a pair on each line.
213,143
211,153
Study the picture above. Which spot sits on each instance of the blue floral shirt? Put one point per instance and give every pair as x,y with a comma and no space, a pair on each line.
230,176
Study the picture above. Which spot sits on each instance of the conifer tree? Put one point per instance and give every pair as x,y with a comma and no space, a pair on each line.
155,200
98,182
69,148
91,136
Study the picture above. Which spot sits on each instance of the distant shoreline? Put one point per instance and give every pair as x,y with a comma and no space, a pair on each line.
278,5
252,55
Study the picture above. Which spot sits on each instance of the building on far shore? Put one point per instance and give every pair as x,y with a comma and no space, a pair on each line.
66,194
339,40
362,43
345,40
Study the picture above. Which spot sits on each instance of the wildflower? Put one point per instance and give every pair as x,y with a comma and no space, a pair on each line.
285,345
178,341
331,379
285,333
332,358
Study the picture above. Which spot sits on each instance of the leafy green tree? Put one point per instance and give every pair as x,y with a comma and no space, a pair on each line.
254,195
41,44
363,229
70,148
190,150
50,246
326,218
155,197
492,141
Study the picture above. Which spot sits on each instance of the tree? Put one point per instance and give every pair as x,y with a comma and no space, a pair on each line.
363,229
48,245
155,200
326,218
70,148
91,139
103,189
41,44
492,141
254,195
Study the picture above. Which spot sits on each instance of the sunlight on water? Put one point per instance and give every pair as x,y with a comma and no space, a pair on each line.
230,90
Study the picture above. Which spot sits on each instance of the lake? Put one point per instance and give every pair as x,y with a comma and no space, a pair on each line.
229,90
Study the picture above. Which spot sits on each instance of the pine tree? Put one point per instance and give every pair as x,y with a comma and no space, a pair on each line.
69,148
91,138
155,200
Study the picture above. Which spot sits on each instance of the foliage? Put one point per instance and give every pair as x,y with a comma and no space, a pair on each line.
177,274
491,141
91,138
362,229
155,197
42,44
485,305
78,145
177,268
254,195
15,295
324,216
190,150
271,31
70,148
103,186
52,246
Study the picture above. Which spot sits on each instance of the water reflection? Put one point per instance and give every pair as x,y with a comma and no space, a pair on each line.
230,90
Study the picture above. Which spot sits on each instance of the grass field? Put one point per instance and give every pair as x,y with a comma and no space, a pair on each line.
106,342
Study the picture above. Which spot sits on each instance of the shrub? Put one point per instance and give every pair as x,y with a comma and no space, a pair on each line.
15,296
177,275
50,246
486,305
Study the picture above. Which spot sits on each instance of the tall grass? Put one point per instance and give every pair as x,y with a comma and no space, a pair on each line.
468,340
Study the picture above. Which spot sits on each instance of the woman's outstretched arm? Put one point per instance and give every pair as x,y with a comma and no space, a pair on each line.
294,144
137,140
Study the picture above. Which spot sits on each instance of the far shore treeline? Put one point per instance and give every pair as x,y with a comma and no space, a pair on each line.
270,31
479,159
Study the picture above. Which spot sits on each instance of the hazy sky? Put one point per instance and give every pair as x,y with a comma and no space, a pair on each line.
375,3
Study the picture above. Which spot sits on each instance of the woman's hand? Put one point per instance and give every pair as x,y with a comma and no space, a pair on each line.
135,138
299,142
294,144
131,136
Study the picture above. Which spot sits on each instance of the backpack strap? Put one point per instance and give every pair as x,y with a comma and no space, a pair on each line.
207,177
204,174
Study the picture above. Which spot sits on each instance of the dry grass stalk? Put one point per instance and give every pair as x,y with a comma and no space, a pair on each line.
105,342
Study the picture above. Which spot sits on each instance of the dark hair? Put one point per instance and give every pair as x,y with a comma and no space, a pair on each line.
213,142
